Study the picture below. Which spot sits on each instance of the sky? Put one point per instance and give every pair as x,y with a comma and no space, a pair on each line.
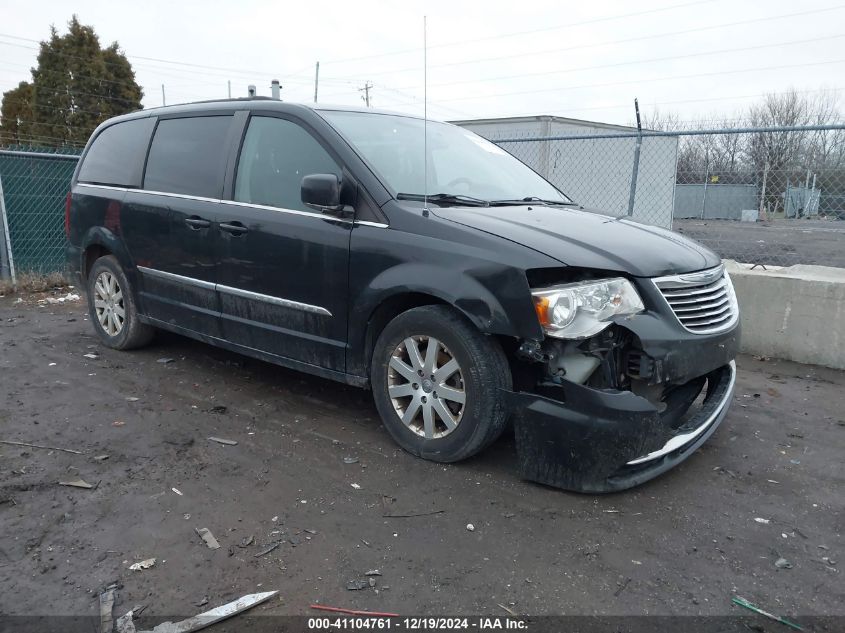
700,59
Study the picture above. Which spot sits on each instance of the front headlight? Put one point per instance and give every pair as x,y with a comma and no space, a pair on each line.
582,309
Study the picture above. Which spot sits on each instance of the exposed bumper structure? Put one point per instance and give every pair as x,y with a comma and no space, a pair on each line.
588,440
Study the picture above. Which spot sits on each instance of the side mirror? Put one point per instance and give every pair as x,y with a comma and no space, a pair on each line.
321,192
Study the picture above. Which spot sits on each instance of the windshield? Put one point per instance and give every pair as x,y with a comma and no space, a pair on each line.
460,163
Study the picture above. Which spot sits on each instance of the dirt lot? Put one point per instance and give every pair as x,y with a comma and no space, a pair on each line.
778,242
768,485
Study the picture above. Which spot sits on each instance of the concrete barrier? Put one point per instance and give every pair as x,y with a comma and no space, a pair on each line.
796,312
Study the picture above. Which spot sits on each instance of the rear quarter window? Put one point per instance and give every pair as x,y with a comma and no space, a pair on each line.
188,156
116,157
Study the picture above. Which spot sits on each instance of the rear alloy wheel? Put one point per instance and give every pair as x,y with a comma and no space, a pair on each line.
111,305
438,384
108,303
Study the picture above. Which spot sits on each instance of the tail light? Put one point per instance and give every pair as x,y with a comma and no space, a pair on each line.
67,215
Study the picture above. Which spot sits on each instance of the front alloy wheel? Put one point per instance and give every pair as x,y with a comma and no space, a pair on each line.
426,387
439,383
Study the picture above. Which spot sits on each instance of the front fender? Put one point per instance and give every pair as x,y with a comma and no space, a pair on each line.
465,293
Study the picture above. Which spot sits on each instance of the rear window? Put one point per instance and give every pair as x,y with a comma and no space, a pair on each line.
116,157
188,156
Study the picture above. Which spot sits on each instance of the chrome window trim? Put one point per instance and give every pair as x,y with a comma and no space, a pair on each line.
709,276
678,441
246,294
108,187
375,225
184,196
267,207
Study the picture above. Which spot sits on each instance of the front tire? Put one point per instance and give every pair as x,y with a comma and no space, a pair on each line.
437,384
111,306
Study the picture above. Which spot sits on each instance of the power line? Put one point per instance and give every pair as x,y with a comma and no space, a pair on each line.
642,61
151,59
641,38
528,32
636,81
627,106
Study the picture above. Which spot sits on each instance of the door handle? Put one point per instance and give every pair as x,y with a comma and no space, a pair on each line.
235,228
197,223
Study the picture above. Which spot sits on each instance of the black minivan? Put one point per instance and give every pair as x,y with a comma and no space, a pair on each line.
418,260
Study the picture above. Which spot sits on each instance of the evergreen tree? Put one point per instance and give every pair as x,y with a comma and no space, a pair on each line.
16,115
76,86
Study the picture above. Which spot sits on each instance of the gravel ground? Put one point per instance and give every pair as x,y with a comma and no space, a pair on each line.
768,485
778,243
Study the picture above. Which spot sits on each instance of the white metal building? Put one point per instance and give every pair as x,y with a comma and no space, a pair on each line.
595,172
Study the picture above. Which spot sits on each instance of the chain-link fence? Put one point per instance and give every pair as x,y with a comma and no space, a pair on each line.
771,196
33,188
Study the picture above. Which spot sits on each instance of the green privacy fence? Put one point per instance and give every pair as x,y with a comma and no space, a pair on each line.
34,185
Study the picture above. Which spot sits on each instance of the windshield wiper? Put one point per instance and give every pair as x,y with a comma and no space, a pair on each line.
533,200
447,198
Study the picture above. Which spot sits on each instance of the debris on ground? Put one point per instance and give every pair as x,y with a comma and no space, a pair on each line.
46,448
622,586
742,602
375,614
132,399
165,361
92,356
267,549
356,486
412,514
71,296
782,563
218,408
247,541
76,483
511,611
206,535
761,520
202,602
350,460
221,440
210,617
144,564
470,527
177,491
118,423
373,572
358,584
106,607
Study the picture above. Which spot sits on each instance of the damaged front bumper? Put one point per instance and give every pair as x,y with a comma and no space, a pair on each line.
600,440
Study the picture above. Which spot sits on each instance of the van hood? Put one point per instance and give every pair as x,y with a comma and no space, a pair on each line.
589,240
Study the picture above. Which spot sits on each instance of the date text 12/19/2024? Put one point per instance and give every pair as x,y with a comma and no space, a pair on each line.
481,623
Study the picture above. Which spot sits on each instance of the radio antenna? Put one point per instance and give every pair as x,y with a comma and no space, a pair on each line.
425,117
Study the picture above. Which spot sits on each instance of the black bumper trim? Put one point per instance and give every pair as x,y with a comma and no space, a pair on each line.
598,441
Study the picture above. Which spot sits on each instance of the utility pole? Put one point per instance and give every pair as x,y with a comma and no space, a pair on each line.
366,90
163,100
316,81
635,172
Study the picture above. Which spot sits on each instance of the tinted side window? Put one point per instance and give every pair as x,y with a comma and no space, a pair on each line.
116,156
276,155
188,156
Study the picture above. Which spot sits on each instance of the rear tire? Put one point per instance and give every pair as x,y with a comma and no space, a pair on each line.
433,348
111,306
